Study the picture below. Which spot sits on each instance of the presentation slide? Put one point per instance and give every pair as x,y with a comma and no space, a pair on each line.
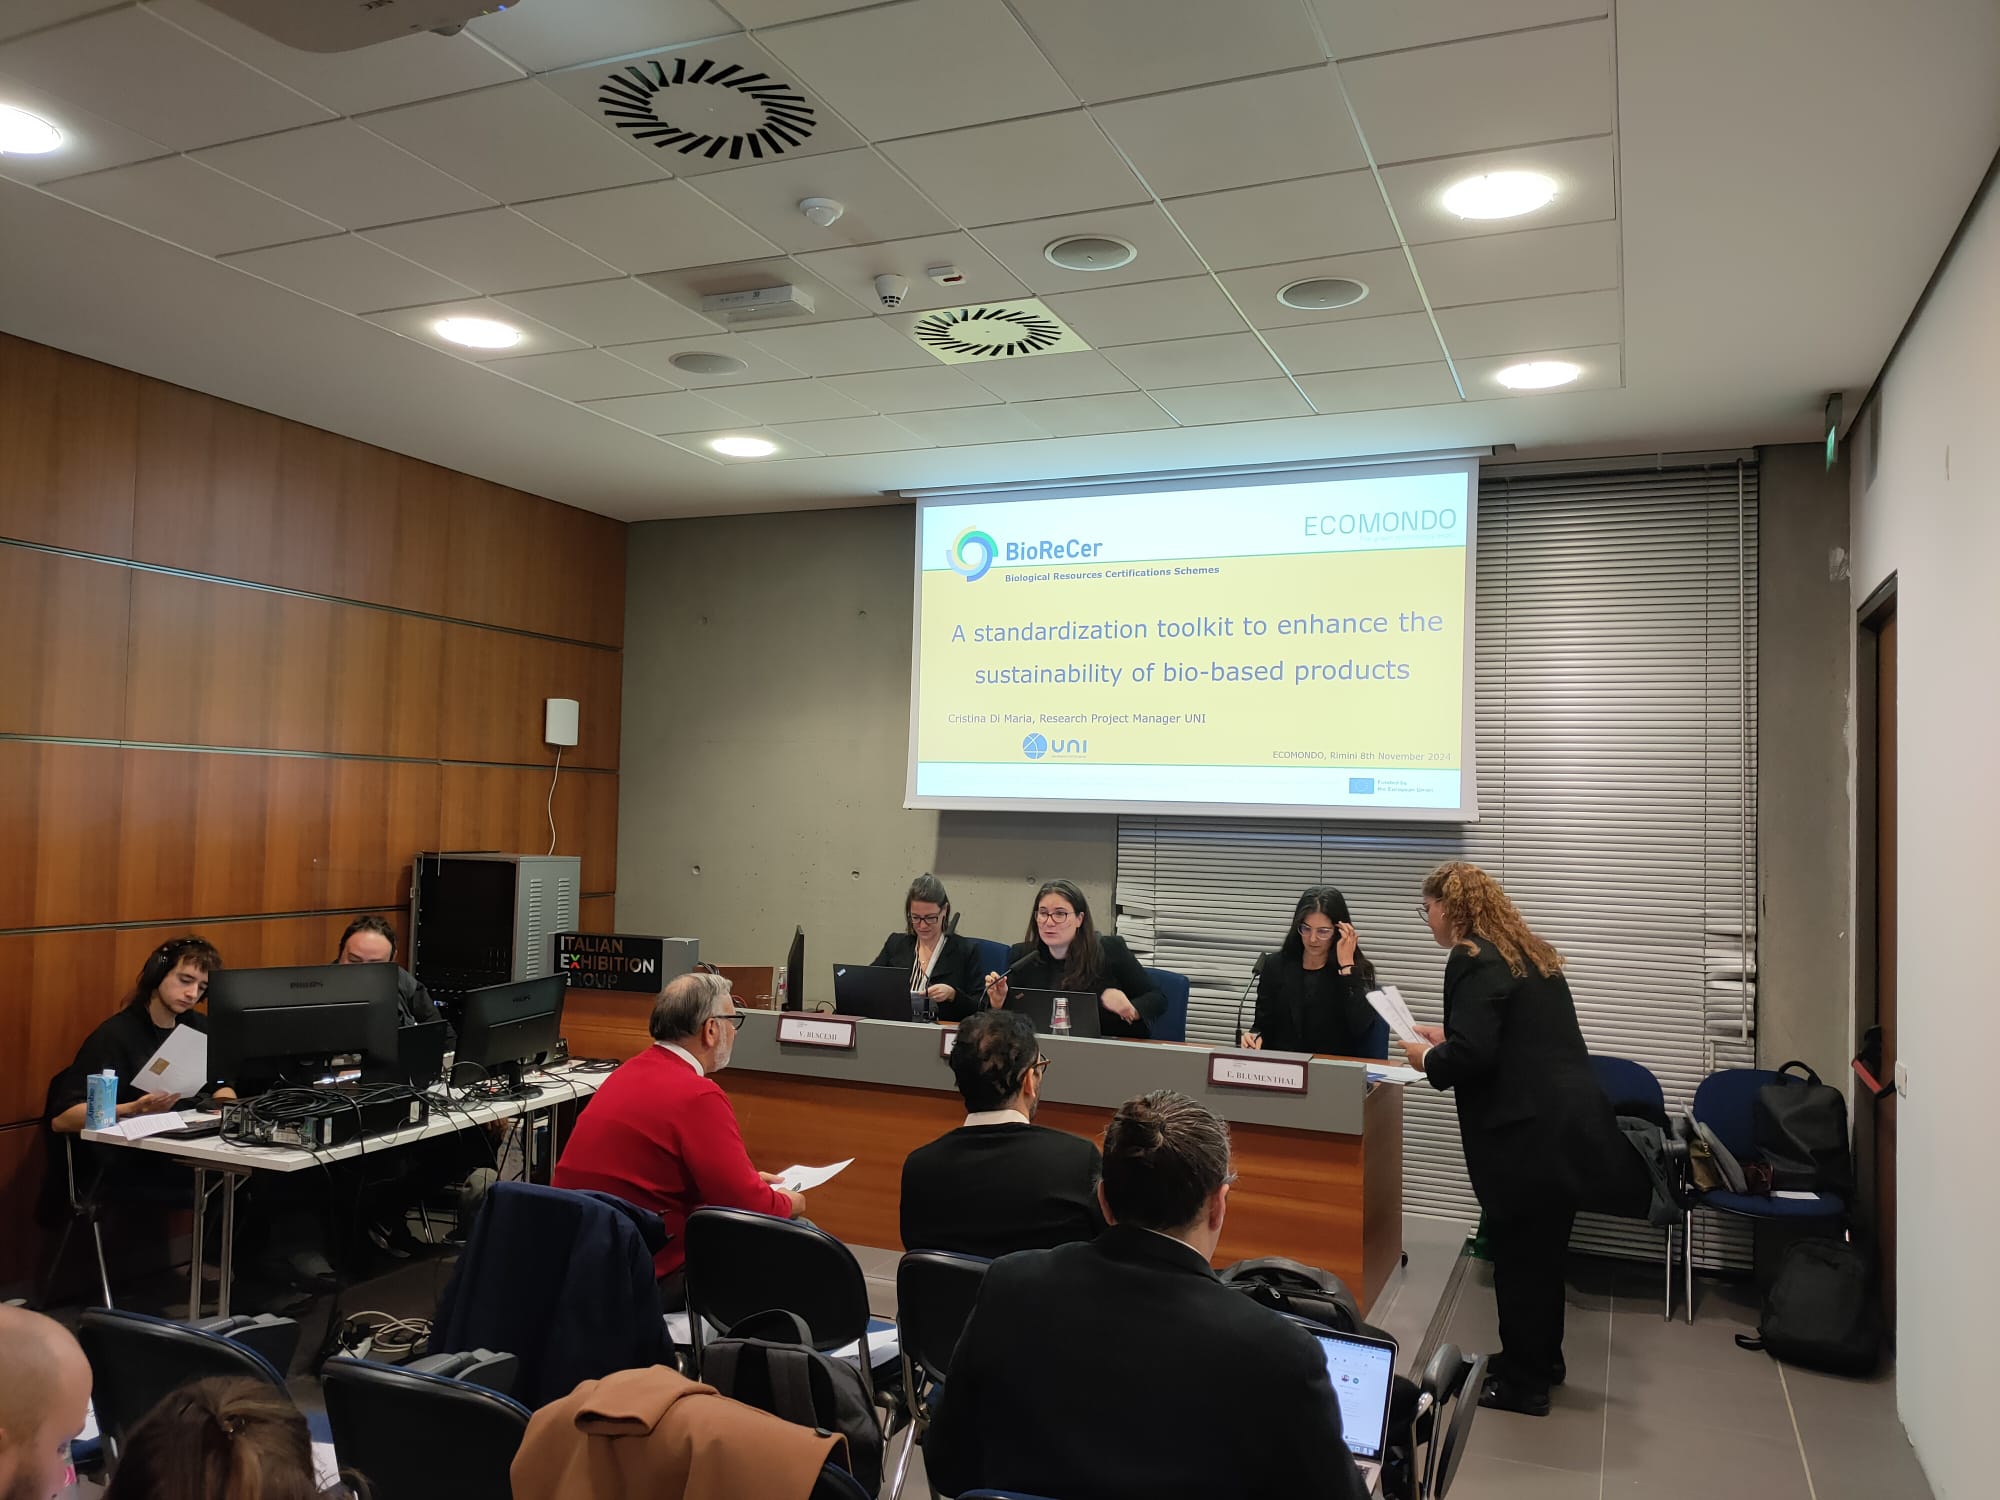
1291,644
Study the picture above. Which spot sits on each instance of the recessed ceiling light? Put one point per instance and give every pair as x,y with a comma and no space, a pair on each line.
1322,293
701,362
1539,374
743,447
478,333
1089,252
1500,195
23,134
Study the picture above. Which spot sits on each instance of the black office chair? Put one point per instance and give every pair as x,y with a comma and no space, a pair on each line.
835,1483
136,1360
83,1208
935,1290
740,1263
1449,1394
437,1429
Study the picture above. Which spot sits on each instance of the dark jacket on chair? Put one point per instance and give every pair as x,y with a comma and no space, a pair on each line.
1120,971
1232,1401
561,1279
1537,1129
993,1189
957,965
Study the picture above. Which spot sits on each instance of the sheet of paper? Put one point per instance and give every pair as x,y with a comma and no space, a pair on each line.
140,1126
1800,1197
1388,1003
805,1179
326,1466
1396,1074
179,1067
881,1347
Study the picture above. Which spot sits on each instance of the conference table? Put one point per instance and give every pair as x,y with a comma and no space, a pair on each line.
1319,1174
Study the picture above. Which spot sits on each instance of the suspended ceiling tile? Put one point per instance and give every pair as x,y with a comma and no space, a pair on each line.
849,348
1148,311
1239,401
758,366
1084,416
879,204
1205,361
692,284
514,142
611,312
1386,274
90,142
1019,169
1527,263
1601,366
777,12
651,226
1355,28
1577,320
679,411
1356,343
1280,221
23,16
1163,251
793,401
345,174
136,70
1382,389
582,375
494,250
1231,135
855,435
423,66
541,36
182,201
1113,49
891,391
922,66
1050,376
420,324
1475,96
1584,172
973,426
854,271
349,273
699,444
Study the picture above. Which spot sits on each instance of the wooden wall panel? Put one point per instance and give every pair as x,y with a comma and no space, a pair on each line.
221,835
59,821
393,531
68,449
382,814
215,664
64,621
75,981
23,1156
520,561
494,687
207,496
596,914
384,677
505,809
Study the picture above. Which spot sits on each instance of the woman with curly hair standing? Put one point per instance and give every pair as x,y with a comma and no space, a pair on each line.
1540,1139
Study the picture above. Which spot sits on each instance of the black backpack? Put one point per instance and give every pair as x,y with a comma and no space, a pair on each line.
789,1378
1820,1311
1304,1291
1800,1126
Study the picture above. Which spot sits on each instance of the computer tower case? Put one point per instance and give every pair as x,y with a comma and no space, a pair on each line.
480,919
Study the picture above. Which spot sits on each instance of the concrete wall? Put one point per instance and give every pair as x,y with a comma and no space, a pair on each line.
1804,871
1931,517
766,732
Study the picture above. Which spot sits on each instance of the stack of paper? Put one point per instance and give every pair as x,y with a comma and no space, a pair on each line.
1388,1003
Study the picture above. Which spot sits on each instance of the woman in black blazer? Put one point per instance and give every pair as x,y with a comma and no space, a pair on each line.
1313,996
1065,951
1540,1139
942,964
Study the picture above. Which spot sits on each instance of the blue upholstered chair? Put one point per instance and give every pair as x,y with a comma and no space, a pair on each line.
424,1430
935,1290
992,956
136,1359
1633,1090
1172,1025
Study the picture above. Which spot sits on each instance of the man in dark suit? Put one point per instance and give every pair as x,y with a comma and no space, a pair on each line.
1236,1405
999,1183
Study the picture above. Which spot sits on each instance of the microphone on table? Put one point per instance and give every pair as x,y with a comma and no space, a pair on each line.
1256,972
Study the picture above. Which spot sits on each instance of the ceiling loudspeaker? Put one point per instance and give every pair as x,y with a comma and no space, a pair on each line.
343,25
711,110
994,331
1089,252
1322,293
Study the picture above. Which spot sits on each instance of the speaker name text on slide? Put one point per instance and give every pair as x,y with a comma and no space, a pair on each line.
1283,644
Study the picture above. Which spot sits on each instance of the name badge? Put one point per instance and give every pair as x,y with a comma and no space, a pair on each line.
1281,1074
837,1032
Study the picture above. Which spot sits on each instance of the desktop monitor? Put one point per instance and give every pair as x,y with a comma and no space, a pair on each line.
332,1023
505,1028
795,971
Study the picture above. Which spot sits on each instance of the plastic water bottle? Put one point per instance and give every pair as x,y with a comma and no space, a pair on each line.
100,1101
1059,1018
781,997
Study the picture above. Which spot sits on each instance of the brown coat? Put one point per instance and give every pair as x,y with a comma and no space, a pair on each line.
658,1435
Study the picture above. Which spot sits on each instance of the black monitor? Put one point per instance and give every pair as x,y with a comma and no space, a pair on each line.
795,971
506,1028
333,1023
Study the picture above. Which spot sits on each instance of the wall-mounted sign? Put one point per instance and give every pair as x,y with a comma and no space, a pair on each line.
611,961
1284,1073
801,1029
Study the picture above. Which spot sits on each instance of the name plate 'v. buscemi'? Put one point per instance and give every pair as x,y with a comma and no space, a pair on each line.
800,1030
1278,1072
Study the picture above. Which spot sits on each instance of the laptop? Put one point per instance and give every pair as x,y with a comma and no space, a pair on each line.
420,1053
1039,1006
1363,1372
880,994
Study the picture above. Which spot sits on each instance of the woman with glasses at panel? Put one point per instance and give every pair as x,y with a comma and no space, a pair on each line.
942,965
1065,951
1313,996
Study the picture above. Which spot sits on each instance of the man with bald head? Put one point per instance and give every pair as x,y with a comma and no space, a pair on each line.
44,1399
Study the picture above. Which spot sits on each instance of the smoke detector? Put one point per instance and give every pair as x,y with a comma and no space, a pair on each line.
1089,252
994,331
825,212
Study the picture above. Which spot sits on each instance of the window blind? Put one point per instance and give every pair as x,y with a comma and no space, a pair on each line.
1614,710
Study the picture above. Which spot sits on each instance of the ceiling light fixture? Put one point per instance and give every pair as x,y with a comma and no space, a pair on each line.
478,333
1500,195
1539,375
744,447
23,134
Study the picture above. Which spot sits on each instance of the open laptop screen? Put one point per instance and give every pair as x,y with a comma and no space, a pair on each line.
1363,1372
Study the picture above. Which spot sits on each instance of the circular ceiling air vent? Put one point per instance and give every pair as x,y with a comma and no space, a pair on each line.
701,107
988,332
1322,293
701,362
1089,252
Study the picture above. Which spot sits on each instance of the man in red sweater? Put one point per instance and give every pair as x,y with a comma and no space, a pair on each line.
660,1132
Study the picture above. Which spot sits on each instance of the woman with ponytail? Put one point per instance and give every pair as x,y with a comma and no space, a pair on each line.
218,1439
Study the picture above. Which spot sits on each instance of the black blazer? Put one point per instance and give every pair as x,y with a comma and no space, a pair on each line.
1538,1132
957,965
1289,1020
993,1189
1121,971
1233,1400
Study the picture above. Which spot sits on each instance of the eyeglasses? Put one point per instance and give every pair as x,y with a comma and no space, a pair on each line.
926,919
1041,1066
1044,914
1317,932
734,1018
1424,910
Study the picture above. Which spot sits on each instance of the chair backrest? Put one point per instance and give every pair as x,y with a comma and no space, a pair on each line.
136,1360
835,1483
935,1290
739,1263
992,956
1726,1103
1172,1025
1377,1044
999,1495
1631,1087
1458,1432
415,1436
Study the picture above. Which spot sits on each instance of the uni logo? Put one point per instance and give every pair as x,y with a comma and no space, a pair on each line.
972,554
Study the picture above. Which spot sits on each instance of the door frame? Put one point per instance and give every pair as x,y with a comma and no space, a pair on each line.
1875,612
